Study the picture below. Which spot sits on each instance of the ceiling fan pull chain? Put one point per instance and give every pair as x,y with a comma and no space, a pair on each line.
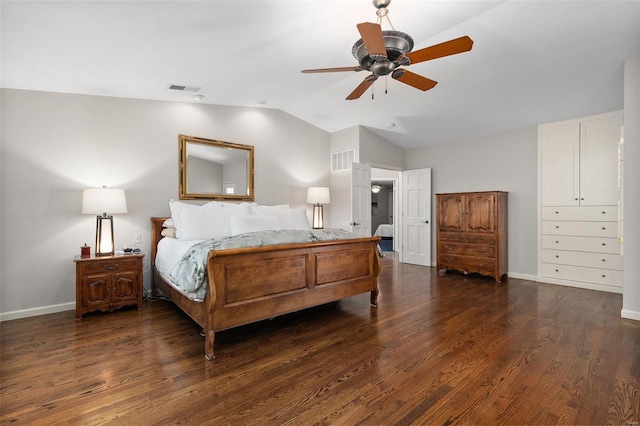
385,84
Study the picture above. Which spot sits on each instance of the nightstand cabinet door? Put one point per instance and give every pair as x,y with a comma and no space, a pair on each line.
96,290
125,287
108,283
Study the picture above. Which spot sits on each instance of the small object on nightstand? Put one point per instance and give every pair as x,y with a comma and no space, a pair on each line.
85,251
107,283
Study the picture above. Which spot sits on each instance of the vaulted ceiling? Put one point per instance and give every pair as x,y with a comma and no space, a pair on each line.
532,61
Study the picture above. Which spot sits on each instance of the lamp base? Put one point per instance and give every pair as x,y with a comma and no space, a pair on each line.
318,216
104,236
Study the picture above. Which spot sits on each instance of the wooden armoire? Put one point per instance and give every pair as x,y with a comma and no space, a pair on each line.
471,232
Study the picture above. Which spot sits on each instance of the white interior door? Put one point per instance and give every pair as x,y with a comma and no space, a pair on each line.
416,217
361,199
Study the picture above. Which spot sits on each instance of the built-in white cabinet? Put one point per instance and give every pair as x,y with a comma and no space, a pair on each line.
579,197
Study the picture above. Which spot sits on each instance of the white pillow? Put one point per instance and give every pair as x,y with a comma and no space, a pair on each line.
194,222
293,218
251,223
242,209
168,223
269,210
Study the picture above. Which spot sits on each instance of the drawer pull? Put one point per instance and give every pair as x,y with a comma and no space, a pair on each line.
95,283
557,270
604,260
557,227
604,276
576,198
557,256
557,212
604,229
582,199
111,267
557,242
604,212
604,244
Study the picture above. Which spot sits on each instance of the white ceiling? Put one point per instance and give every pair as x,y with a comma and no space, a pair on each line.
532,61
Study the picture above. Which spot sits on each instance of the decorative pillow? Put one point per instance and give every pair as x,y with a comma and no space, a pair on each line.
251,223
168,223
168,232
194,222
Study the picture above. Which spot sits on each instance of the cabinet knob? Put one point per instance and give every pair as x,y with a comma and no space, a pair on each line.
604,276
557,256
557,212
557,270
603,228
604,260
604,244
576,198
582,199
604,212
557,227
557,242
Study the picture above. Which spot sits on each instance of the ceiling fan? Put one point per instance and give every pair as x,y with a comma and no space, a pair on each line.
384,52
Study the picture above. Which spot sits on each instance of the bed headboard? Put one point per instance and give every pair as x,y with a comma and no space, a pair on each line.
156,229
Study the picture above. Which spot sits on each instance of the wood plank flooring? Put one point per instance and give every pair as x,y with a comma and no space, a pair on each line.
441,350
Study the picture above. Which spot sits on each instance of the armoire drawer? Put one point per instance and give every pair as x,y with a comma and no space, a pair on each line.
588,244
586,213
467,249
584,229
578,258
467,264
579,273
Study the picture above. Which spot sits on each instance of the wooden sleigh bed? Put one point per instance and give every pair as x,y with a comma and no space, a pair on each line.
252,284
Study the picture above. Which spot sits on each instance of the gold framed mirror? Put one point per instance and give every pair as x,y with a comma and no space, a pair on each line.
214,170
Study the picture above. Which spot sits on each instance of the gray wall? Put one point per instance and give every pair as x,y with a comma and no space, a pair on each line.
501,162
54,145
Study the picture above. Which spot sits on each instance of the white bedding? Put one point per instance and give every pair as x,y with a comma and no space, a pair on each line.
170,251
384,231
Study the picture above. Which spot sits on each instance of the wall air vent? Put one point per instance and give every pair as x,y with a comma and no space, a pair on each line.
342,160
183,88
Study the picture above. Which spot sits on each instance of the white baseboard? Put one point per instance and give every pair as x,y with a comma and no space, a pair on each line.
634,315
580,284
32,312
522,276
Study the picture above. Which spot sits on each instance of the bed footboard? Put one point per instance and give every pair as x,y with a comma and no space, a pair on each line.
251,284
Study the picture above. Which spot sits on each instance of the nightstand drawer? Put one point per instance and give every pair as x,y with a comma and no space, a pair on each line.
112,265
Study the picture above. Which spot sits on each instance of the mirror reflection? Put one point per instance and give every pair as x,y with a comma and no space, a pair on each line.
215,169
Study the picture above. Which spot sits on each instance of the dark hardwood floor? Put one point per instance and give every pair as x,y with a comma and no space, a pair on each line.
438,350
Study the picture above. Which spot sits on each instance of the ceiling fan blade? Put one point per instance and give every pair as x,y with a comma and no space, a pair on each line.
372,38
341,69
413,79
451,47
362,87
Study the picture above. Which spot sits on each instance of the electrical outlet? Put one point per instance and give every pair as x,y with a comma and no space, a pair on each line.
137,238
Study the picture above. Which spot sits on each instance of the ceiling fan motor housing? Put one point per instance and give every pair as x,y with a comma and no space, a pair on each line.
396,44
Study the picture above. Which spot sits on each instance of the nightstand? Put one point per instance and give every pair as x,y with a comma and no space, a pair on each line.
106,283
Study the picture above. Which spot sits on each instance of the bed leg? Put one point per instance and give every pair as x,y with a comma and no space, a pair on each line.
209,338
374,298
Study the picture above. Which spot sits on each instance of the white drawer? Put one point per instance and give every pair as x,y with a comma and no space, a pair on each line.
589,244
585,229
587,213
579,273
578,258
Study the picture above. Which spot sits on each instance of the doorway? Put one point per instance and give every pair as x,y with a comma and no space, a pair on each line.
385,208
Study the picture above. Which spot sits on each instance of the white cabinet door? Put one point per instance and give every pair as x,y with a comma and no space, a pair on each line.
560,171
599,161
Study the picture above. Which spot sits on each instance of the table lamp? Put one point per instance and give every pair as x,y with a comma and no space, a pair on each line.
318,195
104,202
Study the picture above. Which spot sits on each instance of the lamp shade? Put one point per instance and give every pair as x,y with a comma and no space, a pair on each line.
318,195
103,200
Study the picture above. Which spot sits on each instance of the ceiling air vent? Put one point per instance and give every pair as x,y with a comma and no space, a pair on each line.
183,88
